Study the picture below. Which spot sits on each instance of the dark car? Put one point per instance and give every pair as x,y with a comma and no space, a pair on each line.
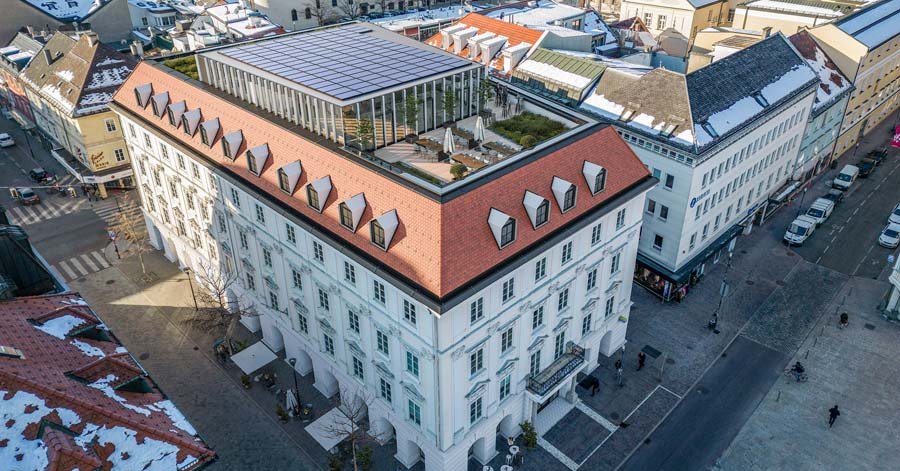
877,155
866,166
38,174
834,195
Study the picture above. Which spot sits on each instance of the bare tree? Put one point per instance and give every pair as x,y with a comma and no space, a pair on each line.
218,310
346,426
130,226
349,8
319,11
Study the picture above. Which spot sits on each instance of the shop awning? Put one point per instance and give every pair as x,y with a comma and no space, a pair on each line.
324,429
253,357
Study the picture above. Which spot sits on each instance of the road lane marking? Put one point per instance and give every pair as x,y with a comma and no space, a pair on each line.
100,258
78,266
90,263
833,239
68,270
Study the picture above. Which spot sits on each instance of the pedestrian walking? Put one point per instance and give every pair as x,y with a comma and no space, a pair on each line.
845,320
619,372
641,359
833,414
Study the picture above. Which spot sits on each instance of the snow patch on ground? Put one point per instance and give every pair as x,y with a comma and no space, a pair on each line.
60,326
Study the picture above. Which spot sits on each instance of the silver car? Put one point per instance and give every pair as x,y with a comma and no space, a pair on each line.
895,215
890,236
6,140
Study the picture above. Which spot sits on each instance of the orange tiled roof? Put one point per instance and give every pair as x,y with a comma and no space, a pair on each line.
439,246
51,410
514,33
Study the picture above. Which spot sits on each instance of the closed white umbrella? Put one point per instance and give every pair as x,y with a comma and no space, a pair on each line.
479,129
291,402
449,145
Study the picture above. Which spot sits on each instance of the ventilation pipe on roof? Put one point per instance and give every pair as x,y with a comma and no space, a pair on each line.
767,31
137,49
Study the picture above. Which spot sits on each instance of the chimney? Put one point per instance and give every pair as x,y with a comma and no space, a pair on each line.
767,31
446,40
30,30
47,56
92,38
461,38
137,49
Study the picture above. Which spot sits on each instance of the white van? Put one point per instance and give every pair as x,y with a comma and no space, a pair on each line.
846,177
799,230
820,210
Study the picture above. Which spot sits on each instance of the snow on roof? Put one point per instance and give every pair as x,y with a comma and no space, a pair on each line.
155,7
831,83
546,12
67,8
64,400
874,24
422,18
814,9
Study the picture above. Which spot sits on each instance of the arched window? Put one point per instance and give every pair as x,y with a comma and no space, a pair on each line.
308,13
294,14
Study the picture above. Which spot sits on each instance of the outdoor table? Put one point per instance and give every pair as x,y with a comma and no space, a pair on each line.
506,467
514,450
487,468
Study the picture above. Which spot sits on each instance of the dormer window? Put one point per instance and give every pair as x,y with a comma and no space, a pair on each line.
159,103
317,193
383,228
190,120
564,192
538,209
175,112
626,115
351,211
208,131
288,176
668,130
709,129
142,94
257,157
231,144
594,176
503,226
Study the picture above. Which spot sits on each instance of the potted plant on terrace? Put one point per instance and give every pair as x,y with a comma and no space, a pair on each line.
411,116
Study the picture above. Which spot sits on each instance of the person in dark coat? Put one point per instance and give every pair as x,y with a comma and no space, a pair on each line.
833,414
642,357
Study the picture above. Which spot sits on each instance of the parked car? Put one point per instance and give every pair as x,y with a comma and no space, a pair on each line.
38,174
878,155
866,167
895,215
846,178
6,140
799,230
890,236
834,195
820,210
28,196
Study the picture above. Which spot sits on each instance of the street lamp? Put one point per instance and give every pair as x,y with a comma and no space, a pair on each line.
187,271
800,207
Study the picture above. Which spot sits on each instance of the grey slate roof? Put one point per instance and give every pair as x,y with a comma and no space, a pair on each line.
874,24
702,3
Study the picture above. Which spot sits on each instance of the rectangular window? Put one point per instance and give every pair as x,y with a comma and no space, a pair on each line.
693,241
614,263
260,214
504,387
663,212
412,364
476,310
195,170
506,340
586,324
180,159
559,345
251,282
540,269
358,368
236,198
304,325
595,234
297,279
562,300
592,279
610,306
385,390
409,312
534,364
670,181
291,233
620,219
267,257
110,125
476,361
537,317
329,344
349,272
273,300
475,411
120,155
657,242
566,253
378,291
415,412
323,300
353,321
651,206
318,252
509,287
382,343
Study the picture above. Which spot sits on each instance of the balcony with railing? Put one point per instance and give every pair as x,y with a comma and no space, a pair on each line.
562,368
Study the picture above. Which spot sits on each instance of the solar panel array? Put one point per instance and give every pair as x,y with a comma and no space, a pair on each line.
344,62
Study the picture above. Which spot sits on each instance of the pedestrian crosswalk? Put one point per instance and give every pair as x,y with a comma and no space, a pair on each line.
109,212
82,265
48,208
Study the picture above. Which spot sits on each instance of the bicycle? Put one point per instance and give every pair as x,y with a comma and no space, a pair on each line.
798,377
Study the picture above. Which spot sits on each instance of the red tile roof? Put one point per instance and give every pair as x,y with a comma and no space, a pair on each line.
515,34
439,247
59,416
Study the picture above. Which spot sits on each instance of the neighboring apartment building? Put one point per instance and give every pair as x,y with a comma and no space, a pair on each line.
239,22
828,108
686,16
69,85
892,308
108,18
790,16
865,45
721,139
14,57
460,308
